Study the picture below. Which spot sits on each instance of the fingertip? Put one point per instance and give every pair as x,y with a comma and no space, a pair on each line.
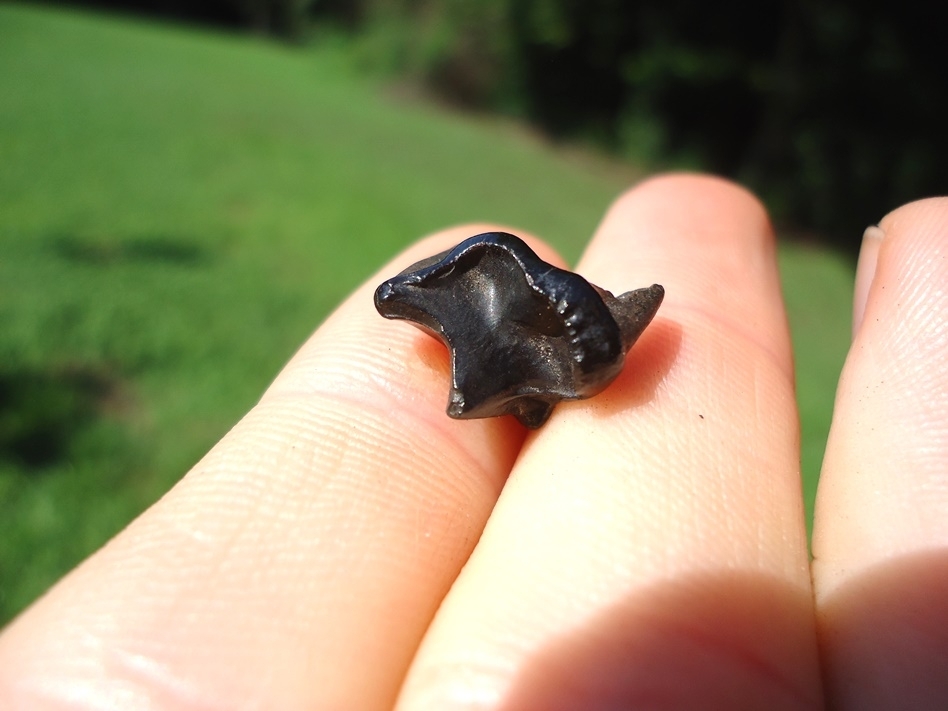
692,223
918,215
710,244
677,195
902,273
912,254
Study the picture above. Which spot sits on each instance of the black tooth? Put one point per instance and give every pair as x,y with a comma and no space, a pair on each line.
523,334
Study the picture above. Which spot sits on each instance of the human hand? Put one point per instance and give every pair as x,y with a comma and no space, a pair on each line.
348,546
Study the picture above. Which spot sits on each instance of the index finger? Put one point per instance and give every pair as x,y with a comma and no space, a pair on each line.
315,541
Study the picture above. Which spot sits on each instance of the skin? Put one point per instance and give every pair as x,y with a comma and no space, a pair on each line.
347,546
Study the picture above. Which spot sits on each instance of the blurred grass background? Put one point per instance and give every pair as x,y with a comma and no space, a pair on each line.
180,208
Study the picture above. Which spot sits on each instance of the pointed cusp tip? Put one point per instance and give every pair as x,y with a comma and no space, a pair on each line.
657,292
643,302
634,311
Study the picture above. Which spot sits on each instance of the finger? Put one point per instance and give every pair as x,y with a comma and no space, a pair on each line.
649,548
880,537
312,544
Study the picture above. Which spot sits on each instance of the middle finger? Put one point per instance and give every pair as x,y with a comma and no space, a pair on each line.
649,547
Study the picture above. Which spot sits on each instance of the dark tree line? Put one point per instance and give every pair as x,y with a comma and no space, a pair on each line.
833,111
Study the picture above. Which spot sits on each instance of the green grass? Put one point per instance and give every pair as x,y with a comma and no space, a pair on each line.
180,209
817,287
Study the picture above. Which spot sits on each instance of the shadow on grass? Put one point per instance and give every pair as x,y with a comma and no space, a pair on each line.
42,413
152,248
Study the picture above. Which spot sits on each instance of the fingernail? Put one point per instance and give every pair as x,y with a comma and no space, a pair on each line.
865,271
